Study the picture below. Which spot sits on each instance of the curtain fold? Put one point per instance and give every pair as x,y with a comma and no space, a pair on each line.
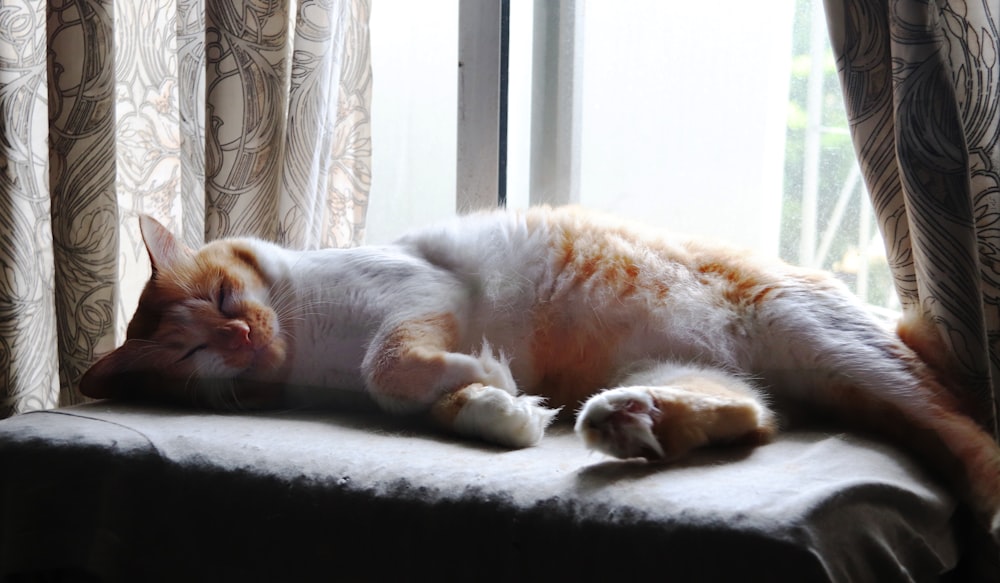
921,83
219,117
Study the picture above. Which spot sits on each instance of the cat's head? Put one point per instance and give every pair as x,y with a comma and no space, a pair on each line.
204,317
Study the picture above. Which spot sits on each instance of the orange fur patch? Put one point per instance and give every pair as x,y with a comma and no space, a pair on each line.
740,285
593,261
573,359
922,336
447,408
724,416
570,363
411,359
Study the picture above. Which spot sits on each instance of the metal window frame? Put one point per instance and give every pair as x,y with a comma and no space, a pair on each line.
556,88
484,29
483,33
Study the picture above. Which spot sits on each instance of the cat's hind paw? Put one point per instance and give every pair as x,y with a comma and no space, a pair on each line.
494,414
619,422
668,422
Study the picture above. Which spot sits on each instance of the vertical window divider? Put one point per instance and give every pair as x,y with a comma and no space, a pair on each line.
483,36
556,103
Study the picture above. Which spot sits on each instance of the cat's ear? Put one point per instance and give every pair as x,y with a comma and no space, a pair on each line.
164,249
112,374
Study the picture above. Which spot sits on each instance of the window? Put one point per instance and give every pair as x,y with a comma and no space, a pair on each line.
414,48
725,122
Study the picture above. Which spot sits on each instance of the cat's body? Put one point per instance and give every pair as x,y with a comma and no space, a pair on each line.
475,319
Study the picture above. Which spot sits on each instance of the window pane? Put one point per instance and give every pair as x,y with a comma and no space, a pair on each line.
700,121
683,115
683,126
414,104
827,219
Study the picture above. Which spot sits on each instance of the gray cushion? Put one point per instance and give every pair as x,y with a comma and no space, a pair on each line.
127,492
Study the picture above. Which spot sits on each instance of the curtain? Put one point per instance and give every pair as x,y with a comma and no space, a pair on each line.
219,117
921,82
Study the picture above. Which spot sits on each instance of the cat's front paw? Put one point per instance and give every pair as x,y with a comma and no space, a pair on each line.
619,422
496,369
493,414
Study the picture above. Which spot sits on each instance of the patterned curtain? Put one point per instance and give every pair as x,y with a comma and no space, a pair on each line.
219,117
921,82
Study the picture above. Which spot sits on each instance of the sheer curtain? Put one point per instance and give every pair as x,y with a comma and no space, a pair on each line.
921,82
219,117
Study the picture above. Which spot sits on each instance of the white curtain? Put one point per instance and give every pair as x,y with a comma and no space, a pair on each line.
921,83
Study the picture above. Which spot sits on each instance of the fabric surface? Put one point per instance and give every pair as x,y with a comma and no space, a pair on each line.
164,495
218,117
921,83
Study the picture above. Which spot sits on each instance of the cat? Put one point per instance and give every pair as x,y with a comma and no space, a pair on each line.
493,322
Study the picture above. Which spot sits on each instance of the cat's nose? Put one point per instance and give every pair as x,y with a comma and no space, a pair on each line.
235,334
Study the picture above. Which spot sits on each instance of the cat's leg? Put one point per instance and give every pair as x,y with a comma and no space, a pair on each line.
666,410
413,368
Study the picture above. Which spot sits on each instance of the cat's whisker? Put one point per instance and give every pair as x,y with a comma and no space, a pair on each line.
189,387
237,404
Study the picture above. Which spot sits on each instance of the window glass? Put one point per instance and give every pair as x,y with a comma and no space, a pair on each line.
414,47
827,220
725,123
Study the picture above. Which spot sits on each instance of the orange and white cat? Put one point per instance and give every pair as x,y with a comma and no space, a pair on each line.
487,321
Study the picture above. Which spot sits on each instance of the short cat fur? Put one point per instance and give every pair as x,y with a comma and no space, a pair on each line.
491,322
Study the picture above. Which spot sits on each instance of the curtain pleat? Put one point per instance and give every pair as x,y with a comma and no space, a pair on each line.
921,82
330,80
82,171
29,362
190,43
194,111
246,47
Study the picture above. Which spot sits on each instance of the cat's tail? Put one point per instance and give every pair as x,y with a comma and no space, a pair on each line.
922,335
971,456
978,447
868,376
914,410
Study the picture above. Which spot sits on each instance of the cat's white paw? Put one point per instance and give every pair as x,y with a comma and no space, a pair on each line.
496,368
494,414
619,422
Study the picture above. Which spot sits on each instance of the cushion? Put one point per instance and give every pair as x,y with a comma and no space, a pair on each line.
131,492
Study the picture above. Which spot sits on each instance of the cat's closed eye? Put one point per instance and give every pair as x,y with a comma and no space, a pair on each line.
193,351
222,297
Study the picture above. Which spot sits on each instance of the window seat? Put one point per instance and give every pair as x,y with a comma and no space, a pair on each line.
124,492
